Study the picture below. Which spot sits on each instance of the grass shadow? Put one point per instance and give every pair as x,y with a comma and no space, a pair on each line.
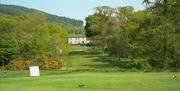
109,62
82,53
101,61
77,53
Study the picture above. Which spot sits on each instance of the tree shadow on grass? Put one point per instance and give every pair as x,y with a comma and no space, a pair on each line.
77,53
109,62
83,53
103,61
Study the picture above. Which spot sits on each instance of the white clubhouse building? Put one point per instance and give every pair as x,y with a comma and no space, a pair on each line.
77,39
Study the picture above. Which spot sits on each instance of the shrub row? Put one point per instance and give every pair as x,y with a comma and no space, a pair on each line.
51,64
45,64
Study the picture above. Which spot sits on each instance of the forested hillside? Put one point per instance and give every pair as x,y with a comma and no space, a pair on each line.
18,10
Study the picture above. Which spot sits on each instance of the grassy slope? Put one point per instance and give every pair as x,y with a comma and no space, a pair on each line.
84,58
81,58
127,81
91,59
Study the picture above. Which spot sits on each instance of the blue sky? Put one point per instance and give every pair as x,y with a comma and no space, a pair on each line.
77,9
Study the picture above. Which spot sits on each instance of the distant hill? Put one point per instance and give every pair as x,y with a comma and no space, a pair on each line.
18,10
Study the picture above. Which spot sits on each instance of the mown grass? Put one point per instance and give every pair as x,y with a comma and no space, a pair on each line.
94,81
91,59
85,65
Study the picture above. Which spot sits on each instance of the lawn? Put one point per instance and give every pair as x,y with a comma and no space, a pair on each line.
94,81
88,58
102,75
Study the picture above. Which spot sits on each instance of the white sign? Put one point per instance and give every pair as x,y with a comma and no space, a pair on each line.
34,71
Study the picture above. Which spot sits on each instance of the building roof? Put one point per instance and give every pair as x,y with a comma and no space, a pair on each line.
76,36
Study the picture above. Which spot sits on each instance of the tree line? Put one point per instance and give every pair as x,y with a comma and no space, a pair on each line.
31,37
152,36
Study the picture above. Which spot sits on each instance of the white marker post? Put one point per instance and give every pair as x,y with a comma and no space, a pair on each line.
34,71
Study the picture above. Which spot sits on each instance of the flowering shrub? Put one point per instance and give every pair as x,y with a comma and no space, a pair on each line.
45,64
51,64
20,64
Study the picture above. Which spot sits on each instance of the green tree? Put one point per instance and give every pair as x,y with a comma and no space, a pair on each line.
118,44
40,44
9,48
27,24
58,40
162,7
49,41
126,22
100,25
32,36
90,27
8,23
161,29
158,40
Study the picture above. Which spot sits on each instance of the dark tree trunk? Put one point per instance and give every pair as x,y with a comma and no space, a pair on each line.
165,7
